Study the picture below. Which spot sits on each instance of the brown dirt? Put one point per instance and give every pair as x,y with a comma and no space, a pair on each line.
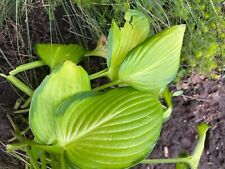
203,100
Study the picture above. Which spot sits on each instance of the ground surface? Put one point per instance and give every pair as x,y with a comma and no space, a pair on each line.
203,100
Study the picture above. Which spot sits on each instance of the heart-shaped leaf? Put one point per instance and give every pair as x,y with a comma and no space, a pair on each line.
115,129
64,81
121,41
154,63
53,54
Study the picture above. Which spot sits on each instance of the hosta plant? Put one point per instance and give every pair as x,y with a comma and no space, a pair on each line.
75,126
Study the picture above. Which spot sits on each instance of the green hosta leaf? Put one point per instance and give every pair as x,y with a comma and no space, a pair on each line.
116,129
154,63
53,54
121,41
64,81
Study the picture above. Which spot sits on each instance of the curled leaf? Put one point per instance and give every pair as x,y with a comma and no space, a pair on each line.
115,129
64,81
121,41
196,155
154,64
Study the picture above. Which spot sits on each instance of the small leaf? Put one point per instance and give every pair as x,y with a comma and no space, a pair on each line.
53,54
64,81
182,165
196,155
115,129
154,64
121,41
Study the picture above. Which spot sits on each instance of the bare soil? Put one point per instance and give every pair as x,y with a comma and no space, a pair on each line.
203,100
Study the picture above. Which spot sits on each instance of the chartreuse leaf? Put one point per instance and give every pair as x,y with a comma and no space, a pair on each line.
196,155
121,41
192,160
154,63
182,165
53,54
115,129
64,81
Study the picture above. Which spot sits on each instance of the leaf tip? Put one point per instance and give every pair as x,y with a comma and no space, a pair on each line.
203,128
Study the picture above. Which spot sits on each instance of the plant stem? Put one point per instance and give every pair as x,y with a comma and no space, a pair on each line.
168,99
49,148
27,66
52,162
99,74
107,85
32,160
62,160
20,85
96,52
43,161
170,160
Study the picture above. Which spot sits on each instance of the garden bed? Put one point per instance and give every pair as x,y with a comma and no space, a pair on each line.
202,100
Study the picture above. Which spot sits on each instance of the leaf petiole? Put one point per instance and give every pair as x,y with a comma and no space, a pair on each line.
19,84
62,160
48,148
99,74
27,66
168,99
32,159
107,85
168,161
192,160
43,161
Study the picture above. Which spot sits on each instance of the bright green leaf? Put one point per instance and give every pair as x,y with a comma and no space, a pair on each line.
53,54
115,129
196,155
182,165
121,41
154,63
64,81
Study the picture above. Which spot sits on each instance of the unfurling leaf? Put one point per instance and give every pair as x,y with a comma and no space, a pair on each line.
64,81
196,155
121,41
115,129
154,63
53,54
